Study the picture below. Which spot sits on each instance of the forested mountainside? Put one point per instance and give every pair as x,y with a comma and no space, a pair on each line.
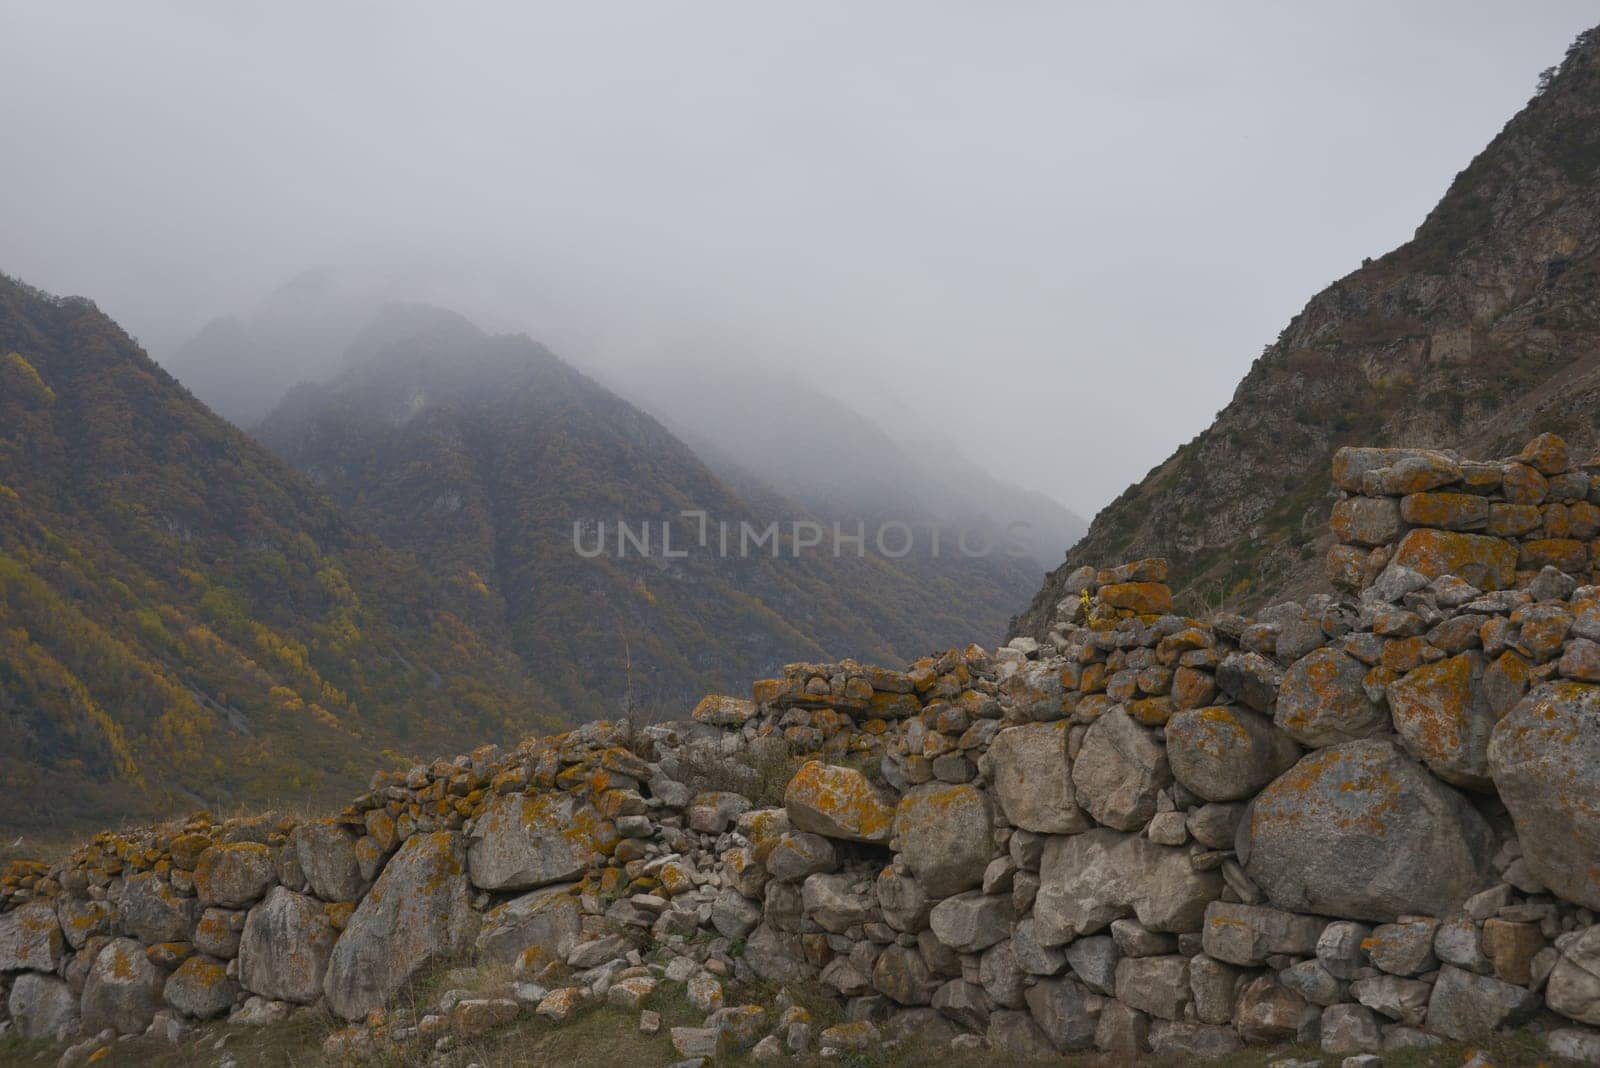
478,454
1478,332
184,619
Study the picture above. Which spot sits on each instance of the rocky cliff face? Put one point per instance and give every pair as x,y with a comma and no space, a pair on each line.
1362,823
1475,334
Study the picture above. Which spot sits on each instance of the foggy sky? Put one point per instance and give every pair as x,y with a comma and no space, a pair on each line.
1058,233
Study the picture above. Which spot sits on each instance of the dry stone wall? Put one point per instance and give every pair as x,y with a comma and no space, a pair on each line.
1366,820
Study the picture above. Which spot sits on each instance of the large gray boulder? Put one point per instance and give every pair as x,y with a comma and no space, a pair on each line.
285,946
1464,1005
1225,753
1087,880
123,991
540,926
1247,935
419,910
1033,779
1062,1009
30,939
43,1007
1119,771
775,955
1574,987
200,987
327,854
945,834
1544,757
971,922
1364,807
1323,701
234,874
525,841
152,911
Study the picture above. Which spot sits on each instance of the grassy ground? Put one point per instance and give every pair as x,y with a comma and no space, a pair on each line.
603,1036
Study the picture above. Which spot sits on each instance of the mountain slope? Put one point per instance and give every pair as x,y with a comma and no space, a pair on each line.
840,461
480,453
186,620
1477,333
241,365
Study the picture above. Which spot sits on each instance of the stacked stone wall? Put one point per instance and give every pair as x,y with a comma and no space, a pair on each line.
1365,821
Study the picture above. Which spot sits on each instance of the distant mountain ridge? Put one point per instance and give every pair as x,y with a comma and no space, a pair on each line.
1479,332
184,619
479,453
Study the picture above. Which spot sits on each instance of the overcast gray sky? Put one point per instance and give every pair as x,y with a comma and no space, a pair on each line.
1060,231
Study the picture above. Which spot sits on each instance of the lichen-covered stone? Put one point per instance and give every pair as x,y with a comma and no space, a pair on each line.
721,711
1444,718
1450,511
153,911
200,987
1365,807
1248,934
1485,562
1224,753
285,946
837,802
123,991
535,928
419,910
234,874
30,939
1141,597
1366,520
1544,758
1324,701
326,852
944,836
525,841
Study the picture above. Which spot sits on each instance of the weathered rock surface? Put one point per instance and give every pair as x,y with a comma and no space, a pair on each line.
1324,701
30,939
525,841
123,991
837,802
1088,880
419,910
43,1007
536,928
1545,761
1444,718
284,950
1574,985
1119,771
1033,779
200,987
234,874
1224,753
943,833
326,852
1364,807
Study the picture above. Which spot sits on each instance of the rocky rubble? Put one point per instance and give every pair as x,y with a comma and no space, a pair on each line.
1367,823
